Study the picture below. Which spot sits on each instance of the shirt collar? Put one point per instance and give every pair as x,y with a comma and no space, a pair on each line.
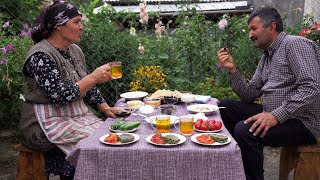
274,46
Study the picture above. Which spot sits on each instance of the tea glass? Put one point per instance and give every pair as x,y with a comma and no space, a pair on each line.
116,69
162,123
186,125
152,102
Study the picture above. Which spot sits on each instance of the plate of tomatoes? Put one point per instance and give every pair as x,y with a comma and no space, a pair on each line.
119,138
166,139
210,125
211,139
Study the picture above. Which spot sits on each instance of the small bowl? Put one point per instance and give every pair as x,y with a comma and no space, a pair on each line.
168,109
170,100
188,98
134,104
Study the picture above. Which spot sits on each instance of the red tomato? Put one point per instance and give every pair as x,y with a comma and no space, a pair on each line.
204,127
212,120
212,127
218,125
197,125
200,121
205,139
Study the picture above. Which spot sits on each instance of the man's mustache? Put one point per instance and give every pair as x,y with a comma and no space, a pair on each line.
253,38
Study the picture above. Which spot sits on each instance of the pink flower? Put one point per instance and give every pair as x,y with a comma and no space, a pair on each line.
223,23
29,32
4,50
3,61
298,10
141,49
25,25
22,33
143,13
9,47
304,32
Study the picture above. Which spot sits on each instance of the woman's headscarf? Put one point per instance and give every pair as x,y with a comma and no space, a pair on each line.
51,17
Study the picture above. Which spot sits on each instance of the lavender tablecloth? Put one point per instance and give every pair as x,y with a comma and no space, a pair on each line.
141,160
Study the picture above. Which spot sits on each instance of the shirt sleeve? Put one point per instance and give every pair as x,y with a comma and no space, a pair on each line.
94,97
41,67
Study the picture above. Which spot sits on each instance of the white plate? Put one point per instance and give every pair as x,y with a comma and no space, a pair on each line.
194,139
208,131
182,139
134,95
172,118
202,108
127,131
136,138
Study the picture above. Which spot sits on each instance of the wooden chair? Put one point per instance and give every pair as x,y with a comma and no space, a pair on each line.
31,165
305,160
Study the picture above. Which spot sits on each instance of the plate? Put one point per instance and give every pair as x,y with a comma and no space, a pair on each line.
182,139
203,108
134,95
208,131
136,138
172,118
127,131
194,139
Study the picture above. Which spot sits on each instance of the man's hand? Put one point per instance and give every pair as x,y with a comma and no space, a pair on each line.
262,121
226,61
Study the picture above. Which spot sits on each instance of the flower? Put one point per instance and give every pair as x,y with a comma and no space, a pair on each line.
10,47
4,50
3,61
143,13
298,10
159,29
312,33
149,79
141,49
5,25
304,32
223,23
25,25
133,31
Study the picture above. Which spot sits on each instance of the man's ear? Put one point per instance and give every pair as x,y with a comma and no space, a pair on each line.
273,26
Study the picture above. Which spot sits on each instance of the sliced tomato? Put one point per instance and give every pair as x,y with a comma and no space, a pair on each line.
205,139
157,138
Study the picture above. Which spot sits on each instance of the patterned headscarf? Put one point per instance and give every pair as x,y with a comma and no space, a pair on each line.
51,17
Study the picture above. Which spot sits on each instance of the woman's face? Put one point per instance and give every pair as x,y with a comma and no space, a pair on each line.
72,30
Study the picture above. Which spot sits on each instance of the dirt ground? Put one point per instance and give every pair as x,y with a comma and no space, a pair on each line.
8,160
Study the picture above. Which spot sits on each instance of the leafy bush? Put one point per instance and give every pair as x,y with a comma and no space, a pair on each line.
14,49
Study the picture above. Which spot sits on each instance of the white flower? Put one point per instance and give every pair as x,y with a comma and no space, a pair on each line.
223,23
21,96
141,49
132,31
5,25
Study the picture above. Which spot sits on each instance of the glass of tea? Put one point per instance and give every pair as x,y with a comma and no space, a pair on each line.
186,125
161,124
116,69
152,102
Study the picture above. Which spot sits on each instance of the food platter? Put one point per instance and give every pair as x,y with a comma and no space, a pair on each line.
134,95
182,139
194,139
172,119
119,131
202,108
136,138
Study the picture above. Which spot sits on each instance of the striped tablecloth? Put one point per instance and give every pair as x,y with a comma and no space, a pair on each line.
141,160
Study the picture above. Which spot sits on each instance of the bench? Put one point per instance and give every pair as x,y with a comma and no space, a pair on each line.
31,164
305,160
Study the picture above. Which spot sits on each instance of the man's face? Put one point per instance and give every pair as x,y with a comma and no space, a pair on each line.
259,35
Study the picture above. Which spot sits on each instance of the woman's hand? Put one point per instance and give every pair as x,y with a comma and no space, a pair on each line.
102,74
226,61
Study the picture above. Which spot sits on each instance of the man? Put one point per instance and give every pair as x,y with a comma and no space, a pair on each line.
288,79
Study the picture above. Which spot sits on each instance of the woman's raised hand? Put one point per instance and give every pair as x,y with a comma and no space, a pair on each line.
102,74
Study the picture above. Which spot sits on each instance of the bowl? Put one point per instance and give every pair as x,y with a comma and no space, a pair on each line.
168,109
188,98
170,100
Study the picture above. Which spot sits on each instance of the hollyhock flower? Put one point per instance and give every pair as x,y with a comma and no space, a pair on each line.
29,32
4,50
25,25
143,13
223,23
3,61
298,10
304,32
132,31
23,33
5,25
159,29
141,49
9,47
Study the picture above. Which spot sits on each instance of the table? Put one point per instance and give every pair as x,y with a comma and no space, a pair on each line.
141,160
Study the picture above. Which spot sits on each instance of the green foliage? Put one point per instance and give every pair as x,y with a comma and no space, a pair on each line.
11,84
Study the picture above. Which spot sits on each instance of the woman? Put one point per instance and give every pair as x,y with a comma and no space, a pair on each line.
54,113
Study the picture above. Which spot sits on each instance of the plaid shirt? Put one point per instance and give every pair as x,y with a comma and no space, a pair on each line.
288,79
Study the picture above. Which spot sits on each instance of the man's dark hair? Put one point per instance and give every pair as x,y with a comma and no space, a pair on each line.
267,16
